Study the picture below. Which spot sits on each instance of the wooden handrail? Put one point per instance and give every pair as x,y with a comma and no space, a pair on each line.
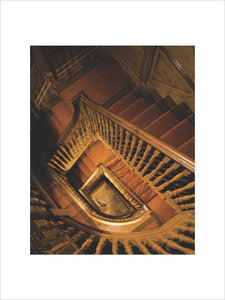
106,234
168,150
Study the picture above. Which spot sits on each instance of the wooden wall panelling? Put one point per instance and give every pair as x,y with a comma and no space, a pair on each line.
166,78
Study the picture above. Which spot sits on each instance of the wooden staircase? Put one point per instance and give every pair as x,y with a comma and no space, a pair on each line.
159,117
56,234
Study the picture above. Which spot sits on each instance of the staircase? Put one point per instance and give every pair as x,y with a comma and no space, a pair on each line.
55,234
159,117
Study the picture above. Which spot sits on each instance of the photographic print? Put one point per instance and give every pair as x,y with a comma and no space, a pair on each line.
112,150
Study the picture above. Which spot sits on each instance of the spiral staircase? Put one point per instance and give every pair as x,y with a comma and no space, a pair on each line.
143,143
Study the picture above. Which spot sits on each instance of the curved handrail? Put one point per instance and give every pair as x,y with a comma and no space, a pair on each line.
168,150
106,234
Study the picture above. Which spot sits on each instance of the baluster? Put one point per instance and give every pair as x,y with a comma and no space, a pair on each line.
107,136
127,247
184,228
145,155
83,136
141,246
184,198
160,165
67,151
51,164
116,127
115,246
167,172
85,245
133,161
178,191
176,178
100,246
111,133
70,241
187,206
156,247
182,238
104,128
94,120
61,155
155,154
58,161
127,139
60,247
133,142
79,137
174,245
121,140
72,148
100,124
84,115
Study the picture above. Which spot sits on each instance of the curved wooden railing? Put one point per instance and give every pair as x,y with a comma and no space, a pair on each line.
52,234
161,146
166,170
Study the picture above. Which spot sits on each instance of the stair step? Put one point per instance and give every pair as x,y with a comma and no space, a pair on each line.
141,189
148,196
123,103
75,179
78,217
89,163
161,125
178,113
179,134
81,175
154,95
133,183
169,102
62,202
119,167
72,210
134,109
113,163
161,208
185,109
99,153
84,168
147,116
189,147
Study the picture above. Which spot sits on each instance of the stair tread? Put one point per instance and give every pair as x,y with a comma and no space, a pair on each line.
78,217
185,109
161,208
179,134
188,147
134,109
99,153
141,189
162,124
148,196
72,210
84,168
62,202
133,183
169,102
81,175
75,179
147,116
123,103
89,163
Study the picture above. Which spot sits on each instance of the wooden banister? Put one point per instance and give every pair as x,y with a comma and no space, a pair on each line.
172,224
168,150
